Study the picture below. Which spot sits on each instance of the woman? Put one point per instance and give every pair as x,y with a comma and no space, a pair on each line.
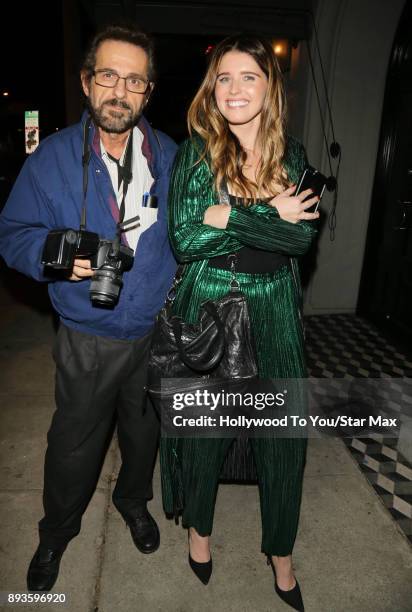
238,140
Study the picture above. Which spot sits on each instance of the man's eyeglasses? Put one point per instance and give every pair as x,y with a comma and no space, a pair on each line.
109,78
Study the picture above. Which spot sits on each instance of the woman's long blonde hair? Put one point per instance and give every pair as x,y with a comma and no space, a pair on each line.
221,146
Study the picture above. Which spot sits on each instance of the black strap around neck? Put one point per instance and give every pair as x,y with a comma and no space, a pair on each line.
119,170
85,163
124,173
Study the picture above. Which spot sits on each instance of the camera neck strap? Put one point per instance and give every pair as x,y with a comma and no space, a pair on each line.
124,172
85,163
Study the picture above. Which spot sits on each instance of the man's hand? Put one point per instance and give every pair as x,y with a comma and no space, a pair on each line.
292,208
81,269
217,215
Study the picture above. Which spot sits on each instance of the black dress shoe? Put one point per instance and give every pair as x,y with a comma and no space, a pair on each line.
44,568
145,532
293,597
202,570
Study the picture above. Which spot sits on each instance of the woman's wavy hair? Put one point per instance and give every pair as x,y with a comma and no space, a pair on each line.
221,146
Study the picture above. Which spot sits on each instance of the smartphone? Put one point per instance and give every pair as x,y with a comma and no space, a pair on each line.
312,179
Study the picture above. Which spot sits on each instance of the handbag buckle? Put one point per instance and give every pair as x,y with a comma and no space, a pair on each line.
234,283
171,294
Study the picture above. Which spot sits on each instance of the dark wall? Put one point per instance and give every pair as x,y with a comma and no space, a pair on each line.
33,75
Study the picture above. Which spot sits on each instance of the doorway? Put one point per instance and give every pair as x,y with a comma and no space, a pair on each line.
386,285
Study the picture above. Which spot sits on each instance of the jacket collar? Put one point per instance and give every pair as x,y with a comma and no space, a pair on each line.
151,146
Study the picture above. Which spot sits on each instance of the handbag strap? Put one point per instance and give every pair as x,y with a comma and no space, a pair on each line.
171,294
234,283
224,193
232,258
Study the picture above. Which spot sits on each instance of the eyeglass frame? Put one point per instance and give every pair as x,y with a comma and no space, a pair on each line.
148,83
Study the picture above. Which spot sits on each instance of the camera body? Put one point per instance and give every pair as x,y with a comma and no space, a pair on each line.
108,258
64,245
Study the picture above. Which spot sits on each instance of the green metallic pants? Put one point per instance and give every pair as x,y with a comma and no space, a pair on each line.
193,465
279,465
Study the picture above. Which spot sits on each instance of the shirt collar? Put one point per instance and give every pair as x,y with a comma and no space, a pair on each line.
148,141
137,143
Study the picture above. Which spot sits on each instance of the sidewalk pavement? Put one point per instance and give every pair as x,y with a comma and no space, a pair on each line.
349,555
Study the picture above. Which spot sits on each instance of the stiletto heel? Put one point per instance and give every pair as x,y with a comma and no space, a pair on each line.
293,597
202,570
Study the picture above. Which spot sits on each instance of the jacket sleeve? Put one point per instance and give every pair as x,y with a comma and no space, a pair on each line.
190,194
260,225
25,222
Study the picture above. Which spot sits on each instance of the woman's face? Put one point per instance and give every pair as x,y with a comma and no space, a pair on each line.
240,88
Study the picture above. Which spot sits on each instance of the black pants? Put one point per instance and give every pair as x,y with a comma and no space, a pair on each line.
97,380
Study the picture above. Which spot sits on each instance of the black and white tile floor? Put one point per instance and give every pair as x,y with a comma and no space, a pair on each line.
347,346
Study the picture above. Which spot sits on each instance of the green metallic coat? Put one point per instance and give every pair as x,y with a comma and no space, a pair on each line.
190,467
259,225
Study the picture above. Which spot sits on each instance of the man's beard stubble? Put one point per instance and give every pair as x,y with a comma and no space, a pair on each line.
113,124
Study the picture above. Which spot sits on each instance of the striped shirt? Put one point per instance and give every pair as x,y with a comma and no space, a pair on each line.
140,184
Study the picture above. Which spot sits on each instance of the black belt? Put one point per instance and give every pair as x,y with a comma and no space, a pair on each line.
252,261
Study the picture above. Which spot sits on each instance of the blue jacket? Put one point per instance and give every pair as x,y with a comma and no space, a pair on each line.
48,195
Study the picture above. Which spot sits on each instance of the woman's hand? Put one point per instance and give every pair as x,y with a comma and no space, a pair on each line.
292,208
217,215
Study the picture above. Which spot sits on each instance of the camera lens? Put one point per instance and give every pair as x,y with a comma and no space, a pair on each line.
105,287
109,263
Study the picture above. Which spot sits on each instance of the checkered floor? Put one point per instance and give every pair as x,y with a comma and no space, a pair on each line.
347,346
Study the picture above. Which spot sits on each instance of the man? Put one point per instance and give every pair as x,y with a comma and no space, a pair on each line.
100,352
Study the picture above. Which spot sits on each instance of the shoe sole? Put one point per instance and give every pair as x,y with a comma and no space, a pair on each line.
147,552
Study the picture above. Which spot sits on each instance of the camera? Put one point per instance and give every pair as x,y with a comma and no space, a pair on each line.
63,246
110,261
108,257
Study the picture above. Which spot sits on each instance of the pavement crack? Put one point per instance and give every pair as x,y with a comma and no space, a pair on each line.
102,544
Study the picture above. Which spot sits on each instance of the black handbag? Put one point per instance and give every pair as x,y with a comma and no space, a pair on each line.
219,346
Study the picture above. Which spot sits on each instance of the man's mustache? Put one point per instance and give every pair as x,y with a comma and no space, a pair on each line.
116,102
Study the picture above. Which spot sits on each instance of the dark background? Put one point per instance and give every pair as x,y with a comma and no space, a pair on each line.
31,46
33,74
42,46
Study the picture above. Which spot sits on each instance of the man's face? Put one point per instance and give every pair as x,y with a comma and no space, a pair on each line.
115,109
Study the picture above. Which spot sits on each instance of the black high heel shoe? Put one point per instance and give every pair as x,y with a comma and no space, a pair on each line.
293,597
202,570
